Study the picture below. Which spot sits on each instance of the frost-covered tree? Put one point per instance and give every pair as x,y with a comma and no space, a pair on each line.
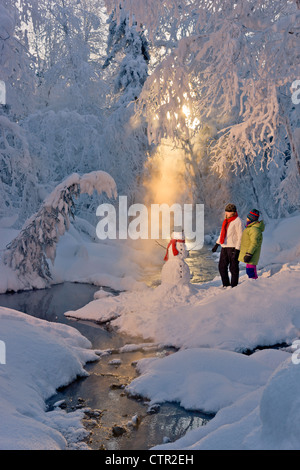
67,42
17,172
16,63
28,253
67,122
125,143
230,71
128,50
17,169
64,122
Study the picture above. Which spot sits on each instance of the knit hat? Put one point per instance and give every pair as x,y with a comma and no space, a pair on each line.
253,215
230,208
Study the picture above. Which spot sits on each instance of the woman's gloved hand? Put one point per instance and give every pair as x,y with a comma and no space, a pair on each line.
247,257
214,249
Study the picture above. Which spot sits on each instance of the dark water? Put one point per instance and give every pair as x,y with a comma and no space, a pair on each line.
103,389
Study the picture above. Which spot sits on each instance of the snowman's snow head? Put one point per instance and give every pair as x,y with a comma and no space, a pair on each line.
178,234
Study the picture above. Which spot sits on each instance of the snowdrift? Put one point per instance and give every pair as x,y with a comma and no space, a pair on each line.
40,357
262,412
80,257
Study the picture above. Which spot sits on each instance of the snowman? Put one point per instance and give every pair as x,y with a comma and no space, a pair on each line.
175,269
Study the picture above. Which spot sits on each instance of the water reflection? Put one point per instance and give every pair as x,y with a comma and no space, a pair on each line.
50,304
202,265
171,423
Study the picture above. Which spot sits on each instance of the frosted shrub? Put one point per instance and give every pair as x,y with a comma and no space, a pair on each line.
28,253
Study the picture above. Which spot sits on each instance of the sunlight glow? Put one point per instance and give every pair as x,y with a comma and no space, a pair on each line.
186,110
191,124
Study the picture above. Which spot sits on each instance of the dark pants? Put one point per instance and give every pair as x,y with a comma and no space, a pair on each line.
229,258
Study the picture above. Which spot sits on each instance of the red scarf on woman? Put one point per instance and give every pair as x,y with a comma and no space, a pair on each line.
175,251
225,227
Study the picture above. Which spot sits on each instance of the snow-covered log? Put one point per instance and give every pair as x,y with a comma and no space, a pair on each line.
28,253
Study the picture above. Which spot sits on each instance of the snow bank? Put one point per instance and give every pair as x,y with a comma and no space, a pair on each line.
282,393
82,258
106,263
264,414
40,357
205,316
206,379
281,242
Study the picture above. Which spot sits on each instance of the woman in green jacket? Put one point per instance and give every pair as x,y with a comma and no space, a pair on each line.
251,243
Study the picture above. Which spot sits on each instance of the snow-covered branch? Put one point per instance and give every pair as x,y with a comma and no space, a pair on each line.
27,254
227,77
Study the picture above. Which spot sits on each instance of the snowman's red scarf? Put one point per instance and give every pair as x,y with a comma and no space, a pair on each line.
225,227
173,244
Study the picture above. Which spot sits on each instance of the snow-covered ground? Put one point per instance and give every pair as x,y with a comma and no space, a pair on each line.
39,358
256,398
